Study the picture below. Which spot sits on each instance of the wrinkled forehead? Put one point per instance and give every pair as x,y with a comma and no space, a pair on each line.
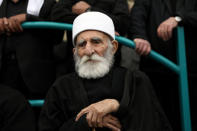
92,34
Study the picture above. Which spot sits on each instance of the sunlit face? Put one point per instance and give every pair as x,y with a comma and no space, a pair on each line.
90,42
94,53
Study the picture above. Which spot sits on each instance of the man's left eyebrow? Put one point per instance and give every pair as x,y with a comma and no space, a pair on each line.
96,38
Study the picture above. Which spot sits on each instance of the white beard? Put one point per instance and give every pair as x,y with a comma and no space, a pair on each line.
97,67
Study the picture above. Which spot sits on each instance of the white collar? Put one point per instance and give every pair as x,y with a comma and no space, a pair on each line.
1,2
33,7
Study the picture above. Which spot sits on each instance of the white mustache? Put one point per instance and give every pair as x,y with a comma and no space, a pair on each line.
94,57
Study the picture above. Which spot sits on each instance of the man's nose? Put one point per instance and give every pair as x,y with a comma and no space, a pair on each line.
89,49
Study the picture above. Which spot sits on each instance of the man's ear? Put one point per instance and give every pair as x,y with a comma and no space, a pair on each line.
115,46
74,50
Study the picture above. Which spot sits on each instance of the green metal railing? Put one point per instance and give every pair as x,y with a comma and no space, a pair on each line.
180,69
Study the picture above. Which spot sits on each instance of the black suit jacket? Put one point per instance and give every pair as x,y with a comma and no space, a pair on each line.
34,51
116,9
147,15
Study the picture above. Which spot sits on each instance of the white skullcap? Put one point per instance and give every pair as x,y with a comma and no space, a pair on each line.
93,21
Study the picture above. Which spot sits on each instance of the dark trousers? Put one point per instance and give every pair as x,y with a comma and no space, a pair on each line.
166,88
192,79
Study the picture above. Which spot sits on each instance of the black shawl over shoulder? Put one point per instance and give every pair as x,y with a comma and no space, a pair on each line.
139,109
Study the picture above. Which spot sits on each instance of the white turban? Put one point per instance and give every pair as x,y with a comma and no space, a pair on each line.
93,21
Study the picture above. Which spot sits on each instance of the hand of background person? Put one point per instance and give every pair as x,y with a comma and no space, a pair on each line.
2,26
16,22
20,18
164,31
80,7
6,26
15,1
13,24
111,122
142,46
117,34
96,111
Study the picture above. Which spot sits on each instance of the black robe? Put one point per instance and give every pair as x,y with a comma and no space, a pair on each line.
139,109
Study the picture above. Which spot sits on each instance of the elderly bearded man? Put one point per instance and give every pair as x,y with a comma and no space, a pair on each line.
100,96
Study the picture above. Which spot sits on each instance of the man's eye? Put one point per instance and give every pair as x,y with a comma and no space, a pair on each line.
81,44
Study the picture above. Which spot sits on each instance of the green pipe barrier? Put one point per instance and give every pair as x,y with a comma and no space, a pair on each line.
154,55
180,70
183,82
47,25
36,103
123,40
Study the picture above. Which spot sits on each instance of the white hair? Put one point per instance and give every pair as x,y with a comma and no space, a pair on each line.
88,69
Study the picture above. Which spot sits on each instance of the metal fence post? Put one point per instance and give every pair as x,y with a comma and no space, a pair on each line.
183,81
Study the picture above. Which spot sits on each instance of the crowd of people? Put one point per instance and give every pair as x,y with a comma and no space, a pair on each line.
90,81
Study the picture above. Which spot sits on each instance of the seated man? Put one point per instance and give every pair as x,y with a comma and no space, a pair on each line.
15,112
100,96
